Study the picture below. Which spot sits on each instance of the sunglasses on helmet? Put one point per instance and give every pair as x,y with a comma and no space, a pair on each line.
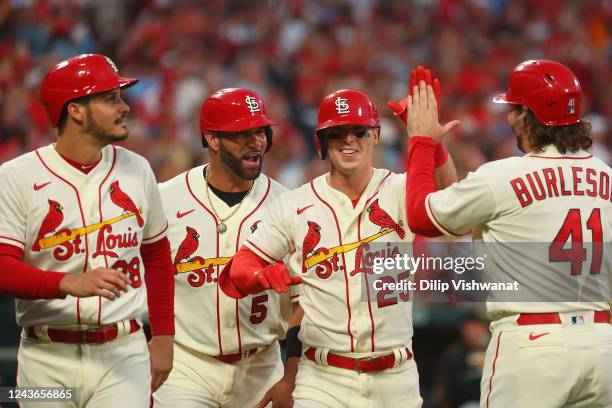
338,132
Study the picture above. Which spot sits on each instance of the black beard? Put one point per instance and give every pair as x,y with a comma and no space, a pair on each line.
99,134
234,164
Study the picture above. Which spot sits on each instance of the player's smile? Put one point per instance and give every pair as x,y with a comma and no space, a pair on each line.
350,147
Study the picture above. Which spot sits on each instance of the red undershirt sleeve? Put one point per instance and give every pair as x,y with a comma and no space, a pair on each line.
159,279
420,182
25,281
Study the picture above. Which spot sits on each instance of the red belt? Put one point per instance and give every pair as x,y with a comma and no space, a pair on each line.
526,319
232,358
94,336
361,365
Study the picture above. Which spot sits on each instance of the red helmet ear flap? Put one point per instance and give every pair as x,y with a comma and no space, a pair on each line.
321,146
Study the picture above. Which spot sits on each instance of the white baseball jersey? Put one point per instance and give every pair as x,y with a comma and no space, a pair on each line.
542,197
206,319
315,218
68,221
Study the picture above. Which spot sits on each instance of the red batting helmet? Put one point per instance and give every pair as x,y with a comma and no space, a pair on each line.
344,107
234,110
86,74
549,89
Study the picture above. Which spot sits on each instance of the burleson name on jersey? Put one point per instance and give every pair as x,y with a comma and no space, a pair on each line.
555,182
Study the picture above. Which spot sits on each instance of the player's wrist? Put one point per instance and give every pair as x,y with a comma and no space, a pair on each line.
441,155
421,139
67,284
291,369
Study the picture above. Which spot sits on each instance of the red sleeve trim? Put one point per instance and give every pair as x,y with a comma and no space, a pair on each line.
264,253
561,157
157,235
159,279
440,225
13,239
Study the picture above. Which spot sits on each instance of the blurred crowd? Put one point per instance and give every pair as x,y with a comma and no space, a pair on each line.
293,53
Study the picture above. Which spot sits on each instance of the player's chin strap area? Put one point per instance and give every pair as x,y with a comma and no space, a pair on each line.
93,335
324,357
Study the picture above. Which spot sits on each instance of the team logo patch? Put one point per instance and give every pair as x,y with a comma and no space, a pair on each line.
342,106
52,220
188,246
112,64
254,226
198,271
252,104
577,319
381,218
122,200
571,106
329,260
311,240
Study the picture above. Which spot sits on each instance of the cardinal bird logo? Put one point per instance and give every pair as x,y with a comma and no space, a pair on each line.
122,200
311,240
188,246
52,220
380,217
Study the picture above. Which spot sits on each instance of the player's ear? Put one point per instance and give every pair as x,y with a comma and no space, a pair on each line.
212,141
76,111
376,135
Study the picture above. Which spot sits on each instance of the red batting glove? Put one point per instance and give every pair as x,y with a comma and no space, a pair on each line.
416,75
276,277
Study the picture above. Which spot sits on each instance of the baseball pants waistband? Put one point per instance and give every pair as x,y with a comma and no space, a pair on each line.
94,335
362,364
234,358
578,317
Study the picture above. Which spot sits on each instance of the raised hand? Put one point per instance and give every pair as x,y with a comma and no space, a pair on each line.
422,111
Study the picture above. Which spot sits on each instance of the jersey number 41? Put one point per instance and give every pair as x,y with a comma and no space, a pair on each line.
576,253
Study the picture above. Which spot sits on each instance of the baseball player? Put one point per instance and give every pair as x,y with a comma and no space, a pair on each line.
356,352
545,354
81,228
226,351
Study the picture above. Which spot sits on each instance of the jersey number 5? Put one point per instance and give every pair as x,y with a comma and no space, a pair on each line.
576,253
259,310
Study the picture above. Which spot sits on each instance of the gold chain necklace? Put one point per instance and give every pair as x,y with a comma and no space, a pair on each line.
221,226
